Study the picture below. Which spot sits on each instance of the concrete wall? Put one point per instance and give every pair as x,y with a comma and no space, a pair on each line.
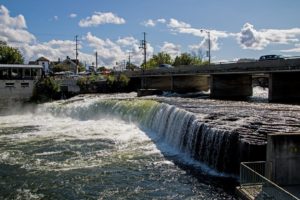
178,83
231,86
16,89
284,87
71,84
160,83
283,159
190,83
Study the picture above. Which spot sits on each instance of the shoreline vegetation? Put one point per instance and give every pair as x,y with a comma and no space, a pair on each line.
48,89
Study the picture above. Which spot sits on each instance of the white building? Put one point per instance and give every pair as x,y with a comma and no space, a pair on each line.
17,82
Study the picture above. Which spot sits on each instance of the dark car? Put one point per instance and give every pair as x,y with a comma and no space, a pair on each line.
165,66
271,57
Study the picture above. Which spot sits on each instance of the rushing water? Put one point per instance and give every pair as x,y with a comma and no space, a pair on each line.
100,149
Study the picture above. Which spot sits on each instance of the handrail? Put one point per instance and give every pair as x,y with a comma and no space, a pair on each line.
259,179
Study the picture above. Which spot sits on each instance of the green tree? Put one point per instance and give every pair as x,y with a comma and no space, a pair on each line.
187,59
10,55
160,58
60,67
102,69
46,89
81,67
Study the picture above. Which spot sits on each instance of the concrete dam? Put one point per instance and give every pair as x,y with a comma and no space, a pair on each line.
217,134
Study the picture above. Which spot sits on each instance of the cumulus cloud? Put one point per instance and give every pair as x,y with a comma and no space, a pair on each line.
296,49
110,52
14,22
172,49
101,18
206,35
250,38
162,20
13,29
174,23
73,15
152,22
149,23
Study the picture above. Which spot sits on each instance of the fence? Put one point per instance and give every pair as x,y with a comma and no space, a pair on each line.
254,182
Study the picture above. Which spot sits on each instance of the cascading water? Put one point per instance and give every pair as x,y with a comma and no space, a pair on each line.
79,149
179,129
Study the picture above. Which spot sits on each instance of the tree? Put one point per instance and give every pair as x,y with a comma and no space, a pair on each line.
187,59
10,55
130,66
60,67
81,67
160,58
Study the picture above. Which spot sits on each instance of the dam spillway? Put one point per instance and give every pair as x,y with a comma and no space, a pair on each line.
120,146
218,134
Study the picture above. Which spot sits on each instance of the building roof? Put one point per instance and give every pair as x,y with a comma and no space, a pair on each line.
42,59
20,66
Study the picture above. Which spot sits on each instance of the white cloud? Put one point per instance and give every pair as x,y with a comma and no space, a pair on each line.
110,52
149,23
178,24
53,50
55,17
162,20
152,22
292,50
13,22
13,29
101,18
207,35
204,45
73,15
250,38
170,48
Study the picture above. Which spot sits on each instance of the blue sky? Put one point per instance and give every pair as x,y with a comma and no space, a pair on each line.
238,29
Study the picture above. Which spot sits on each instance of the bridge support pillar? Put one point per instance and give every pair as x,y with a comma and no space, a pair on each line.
184,84
159,83
231,86
284,87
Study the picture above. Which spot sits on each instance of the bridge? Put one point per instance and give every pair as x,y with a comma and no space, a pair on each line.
228,80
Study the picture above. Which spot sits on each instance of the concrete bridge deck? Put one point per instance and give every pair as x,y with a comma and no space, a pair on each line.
256,67
226,81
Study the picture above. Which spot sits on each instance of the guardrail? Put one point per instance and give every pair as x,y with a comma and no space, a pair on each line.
254,182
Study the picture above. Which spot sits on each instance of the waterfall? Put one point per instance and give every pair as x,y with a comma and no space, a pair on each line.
218,149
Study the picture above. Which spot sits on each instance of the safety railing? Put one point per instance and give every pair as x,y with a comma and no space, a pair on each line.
254,182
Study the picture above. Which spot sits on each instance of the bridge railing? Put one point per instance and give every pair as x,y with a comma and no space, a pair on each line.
253,180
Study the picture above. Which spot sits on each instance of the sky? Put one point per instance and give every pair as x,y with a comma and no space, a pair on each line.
114,28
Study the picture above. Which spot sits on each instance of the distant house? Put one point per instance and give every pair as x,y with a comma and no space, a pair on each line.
48,65
71,63
44,62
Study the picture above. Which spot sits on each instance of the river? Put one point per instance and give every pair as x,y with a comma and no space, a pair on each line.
115,147
47,155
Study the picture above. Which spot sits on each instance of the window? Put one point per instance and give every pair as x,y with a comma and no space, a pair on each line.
9,84
24,85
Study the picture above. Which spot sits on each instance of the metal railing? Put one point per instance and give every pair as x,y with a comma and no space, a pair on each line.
254,182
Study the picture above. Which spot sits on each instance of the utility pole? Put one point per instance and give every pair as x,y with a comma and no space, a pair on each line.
96,54
129,65
209,48
144,47
209,44
76,53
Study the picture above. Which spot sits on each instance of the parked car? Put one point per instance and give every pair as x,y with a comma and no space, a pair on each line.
165,66
271,57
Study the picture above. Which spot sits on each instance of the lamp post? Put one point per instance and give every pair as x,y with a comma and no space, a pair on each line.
209,47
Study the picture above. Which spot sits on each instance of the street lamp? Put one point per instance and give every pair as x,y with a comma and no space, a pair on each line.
208,34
